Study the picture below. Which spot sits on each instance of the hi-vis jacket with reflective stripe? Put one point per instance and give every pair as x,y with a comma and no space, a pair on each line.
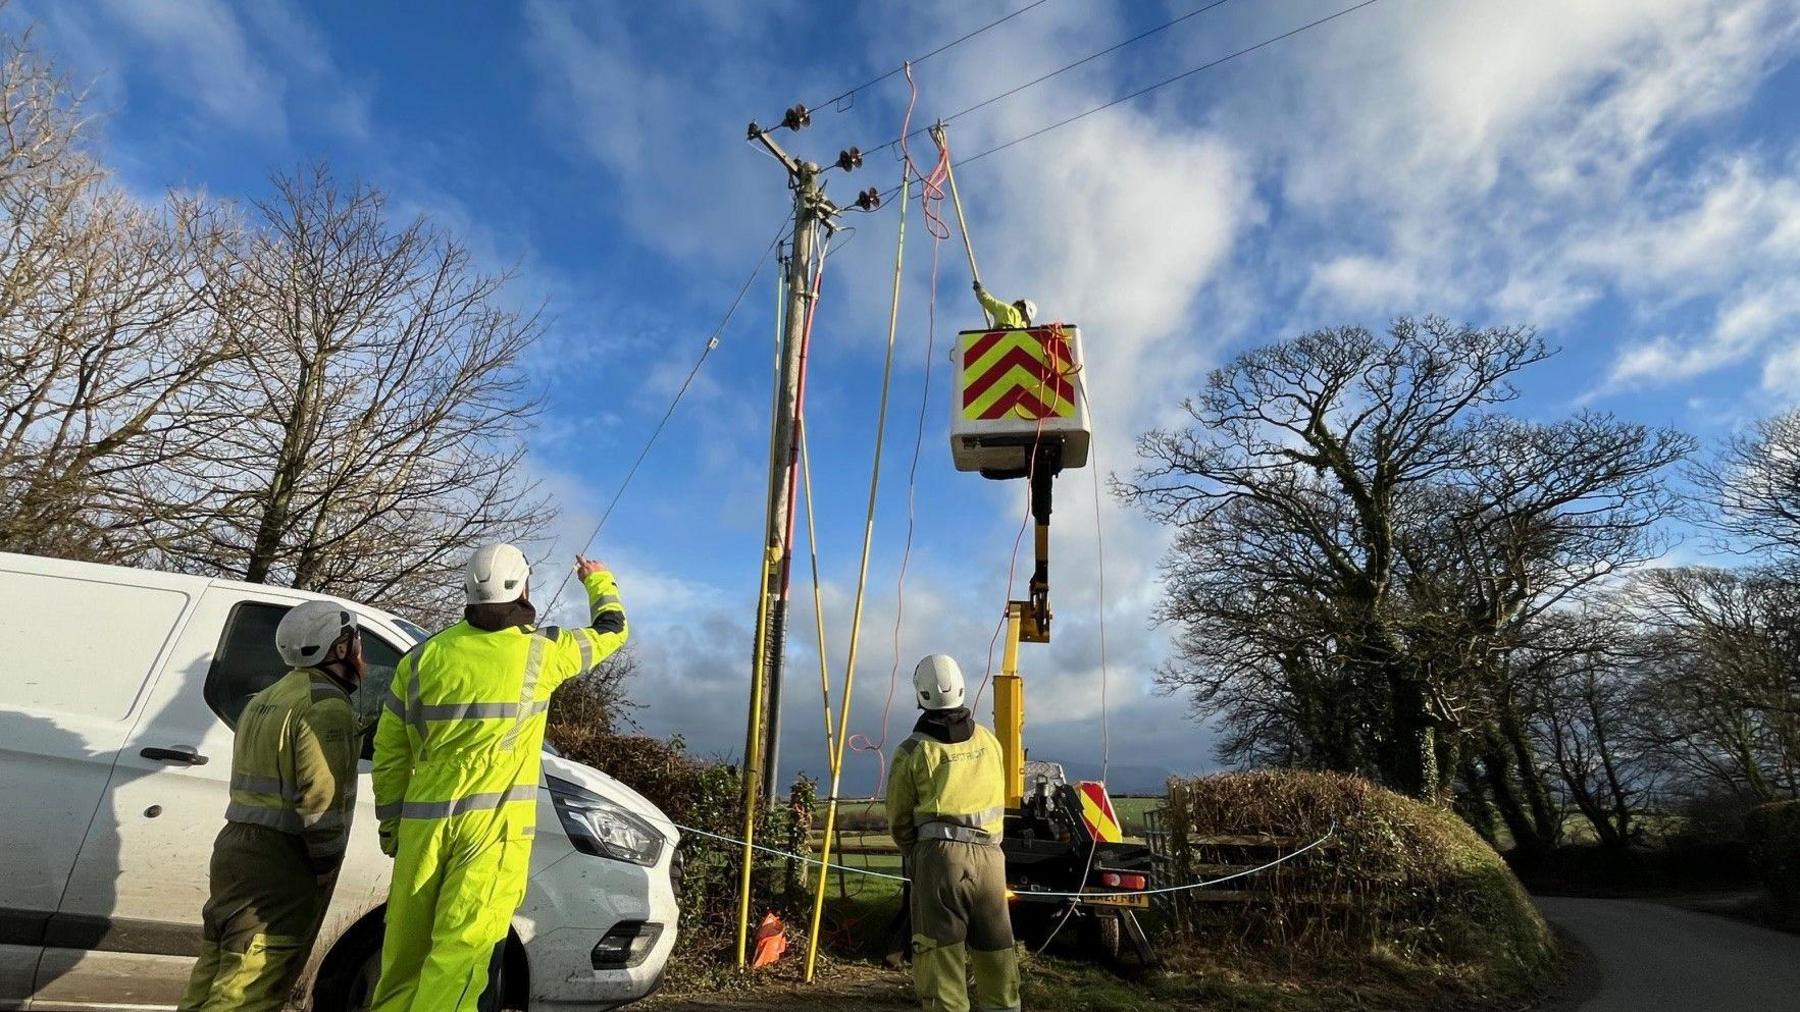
947,790
293,764
463,726
1005,314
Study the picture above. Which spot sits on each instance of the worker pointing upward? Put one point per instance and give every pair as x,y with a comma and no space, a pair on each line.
946,809
457,757
1008,315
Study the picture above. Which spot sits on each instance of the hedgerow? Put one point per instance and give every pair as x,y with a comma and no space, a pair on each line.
1398,879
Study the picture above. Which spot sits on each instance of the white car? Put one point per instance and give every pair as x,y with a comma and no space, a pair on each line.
118,688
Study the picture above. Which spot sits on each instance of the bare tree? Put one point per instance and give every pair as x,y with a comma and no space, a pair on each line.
377,417
597,703
1583,715
1720,674
1753,483
1361,538
103,341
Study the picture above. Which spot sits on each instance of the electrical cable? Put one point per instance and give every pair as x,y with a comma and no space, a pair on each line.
1330,832
862,580
712,343
1165,82
835,99
931,198
1105,671
753,746
1065,68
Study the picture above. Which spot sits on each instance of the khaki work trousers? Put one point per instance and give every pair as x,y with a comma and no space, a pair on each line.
959,917
259,923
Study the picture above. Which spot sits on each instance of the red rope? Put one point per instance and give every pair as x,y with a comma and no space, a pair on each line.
931,195
931,185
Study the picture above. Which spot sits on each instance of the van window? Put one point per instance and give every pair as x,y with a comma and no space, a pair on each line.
381,658
246,663
88,647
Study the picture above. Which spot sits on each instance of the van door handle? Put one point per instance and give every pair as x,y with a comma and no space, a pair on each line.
184,756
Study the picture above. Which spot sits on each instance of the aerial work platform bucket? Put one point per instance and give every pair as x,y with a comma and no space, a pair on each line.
1017,389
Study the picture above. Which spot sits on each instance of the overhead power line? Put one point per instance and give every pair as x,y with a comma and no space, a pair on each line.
712,343
1065,68
1165,82
915,61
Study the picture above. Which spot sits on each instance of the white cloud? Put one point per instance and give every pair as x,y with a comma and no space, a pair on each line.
611,94
1781,372
1724,241
1361,282
1526,161
199,48
1455,158
255,69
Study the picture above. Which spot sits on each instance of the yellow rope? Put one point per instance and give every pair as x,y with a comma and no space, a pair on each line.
862,581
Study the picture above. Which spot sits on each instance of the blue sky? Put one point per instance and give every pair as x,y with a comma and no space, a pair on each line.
1623,173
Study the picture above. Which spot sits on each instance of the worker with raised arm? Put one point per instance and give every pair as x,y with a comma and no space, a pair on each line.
293,792
1007,315
457,756
946,805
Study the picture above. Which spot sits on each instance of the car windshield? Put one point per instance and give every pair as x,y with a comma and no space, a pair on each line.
418,633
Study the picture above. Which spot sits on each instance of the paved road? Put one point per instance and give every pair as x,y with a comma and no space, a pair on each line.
1651,958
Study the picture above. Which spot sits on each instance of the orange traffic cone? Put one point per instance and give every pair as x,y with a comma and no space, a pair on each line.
771,941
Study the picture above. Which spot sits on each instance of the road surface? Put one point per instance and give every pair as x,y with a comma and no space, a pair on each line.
1649,957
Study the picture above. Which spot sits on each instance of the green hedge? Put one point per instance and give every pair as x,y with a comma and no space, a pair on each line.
1773,833
1400,879
707,796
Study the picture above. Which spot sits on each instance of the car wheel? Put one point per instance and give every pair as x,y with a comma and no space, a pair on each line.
351,971
347,982
1102,935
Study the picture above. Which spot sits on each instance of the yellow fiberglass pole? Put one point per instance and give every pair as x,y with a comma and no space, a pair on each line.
862,582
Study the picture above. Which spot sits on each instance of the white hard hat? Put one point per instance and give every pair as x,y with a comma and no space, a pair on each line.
1030,308
496,574
308,630
938,683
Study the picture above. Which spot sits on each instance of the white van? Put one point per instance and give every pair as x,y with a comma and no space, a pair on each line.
118,691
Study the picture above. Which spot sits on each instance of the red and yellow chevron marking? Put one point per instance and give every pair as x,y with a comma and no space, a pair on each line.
1024,374
1097,812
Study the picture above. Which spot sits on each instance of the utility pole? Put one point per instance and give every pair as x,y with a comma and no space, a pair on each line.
762,735
764,742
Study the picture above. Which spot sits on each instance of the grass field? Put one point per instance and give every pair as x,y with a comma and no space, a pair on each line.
865,823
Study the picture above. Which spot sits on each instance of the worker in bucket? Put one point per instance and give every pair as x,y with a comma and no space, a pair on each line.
946,806
1007,315
293,792
457,756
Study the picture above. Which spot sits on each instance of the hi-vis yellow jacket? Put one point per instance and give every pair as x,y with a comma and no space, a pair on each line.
941,790
463,727
1005,314
293,764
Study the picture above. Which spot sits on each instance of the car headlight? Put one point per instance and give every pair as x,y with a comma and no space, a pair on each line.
601,828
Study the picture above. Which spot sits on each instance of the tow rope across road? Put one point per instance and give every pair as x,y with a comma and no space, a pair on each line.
1165,890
